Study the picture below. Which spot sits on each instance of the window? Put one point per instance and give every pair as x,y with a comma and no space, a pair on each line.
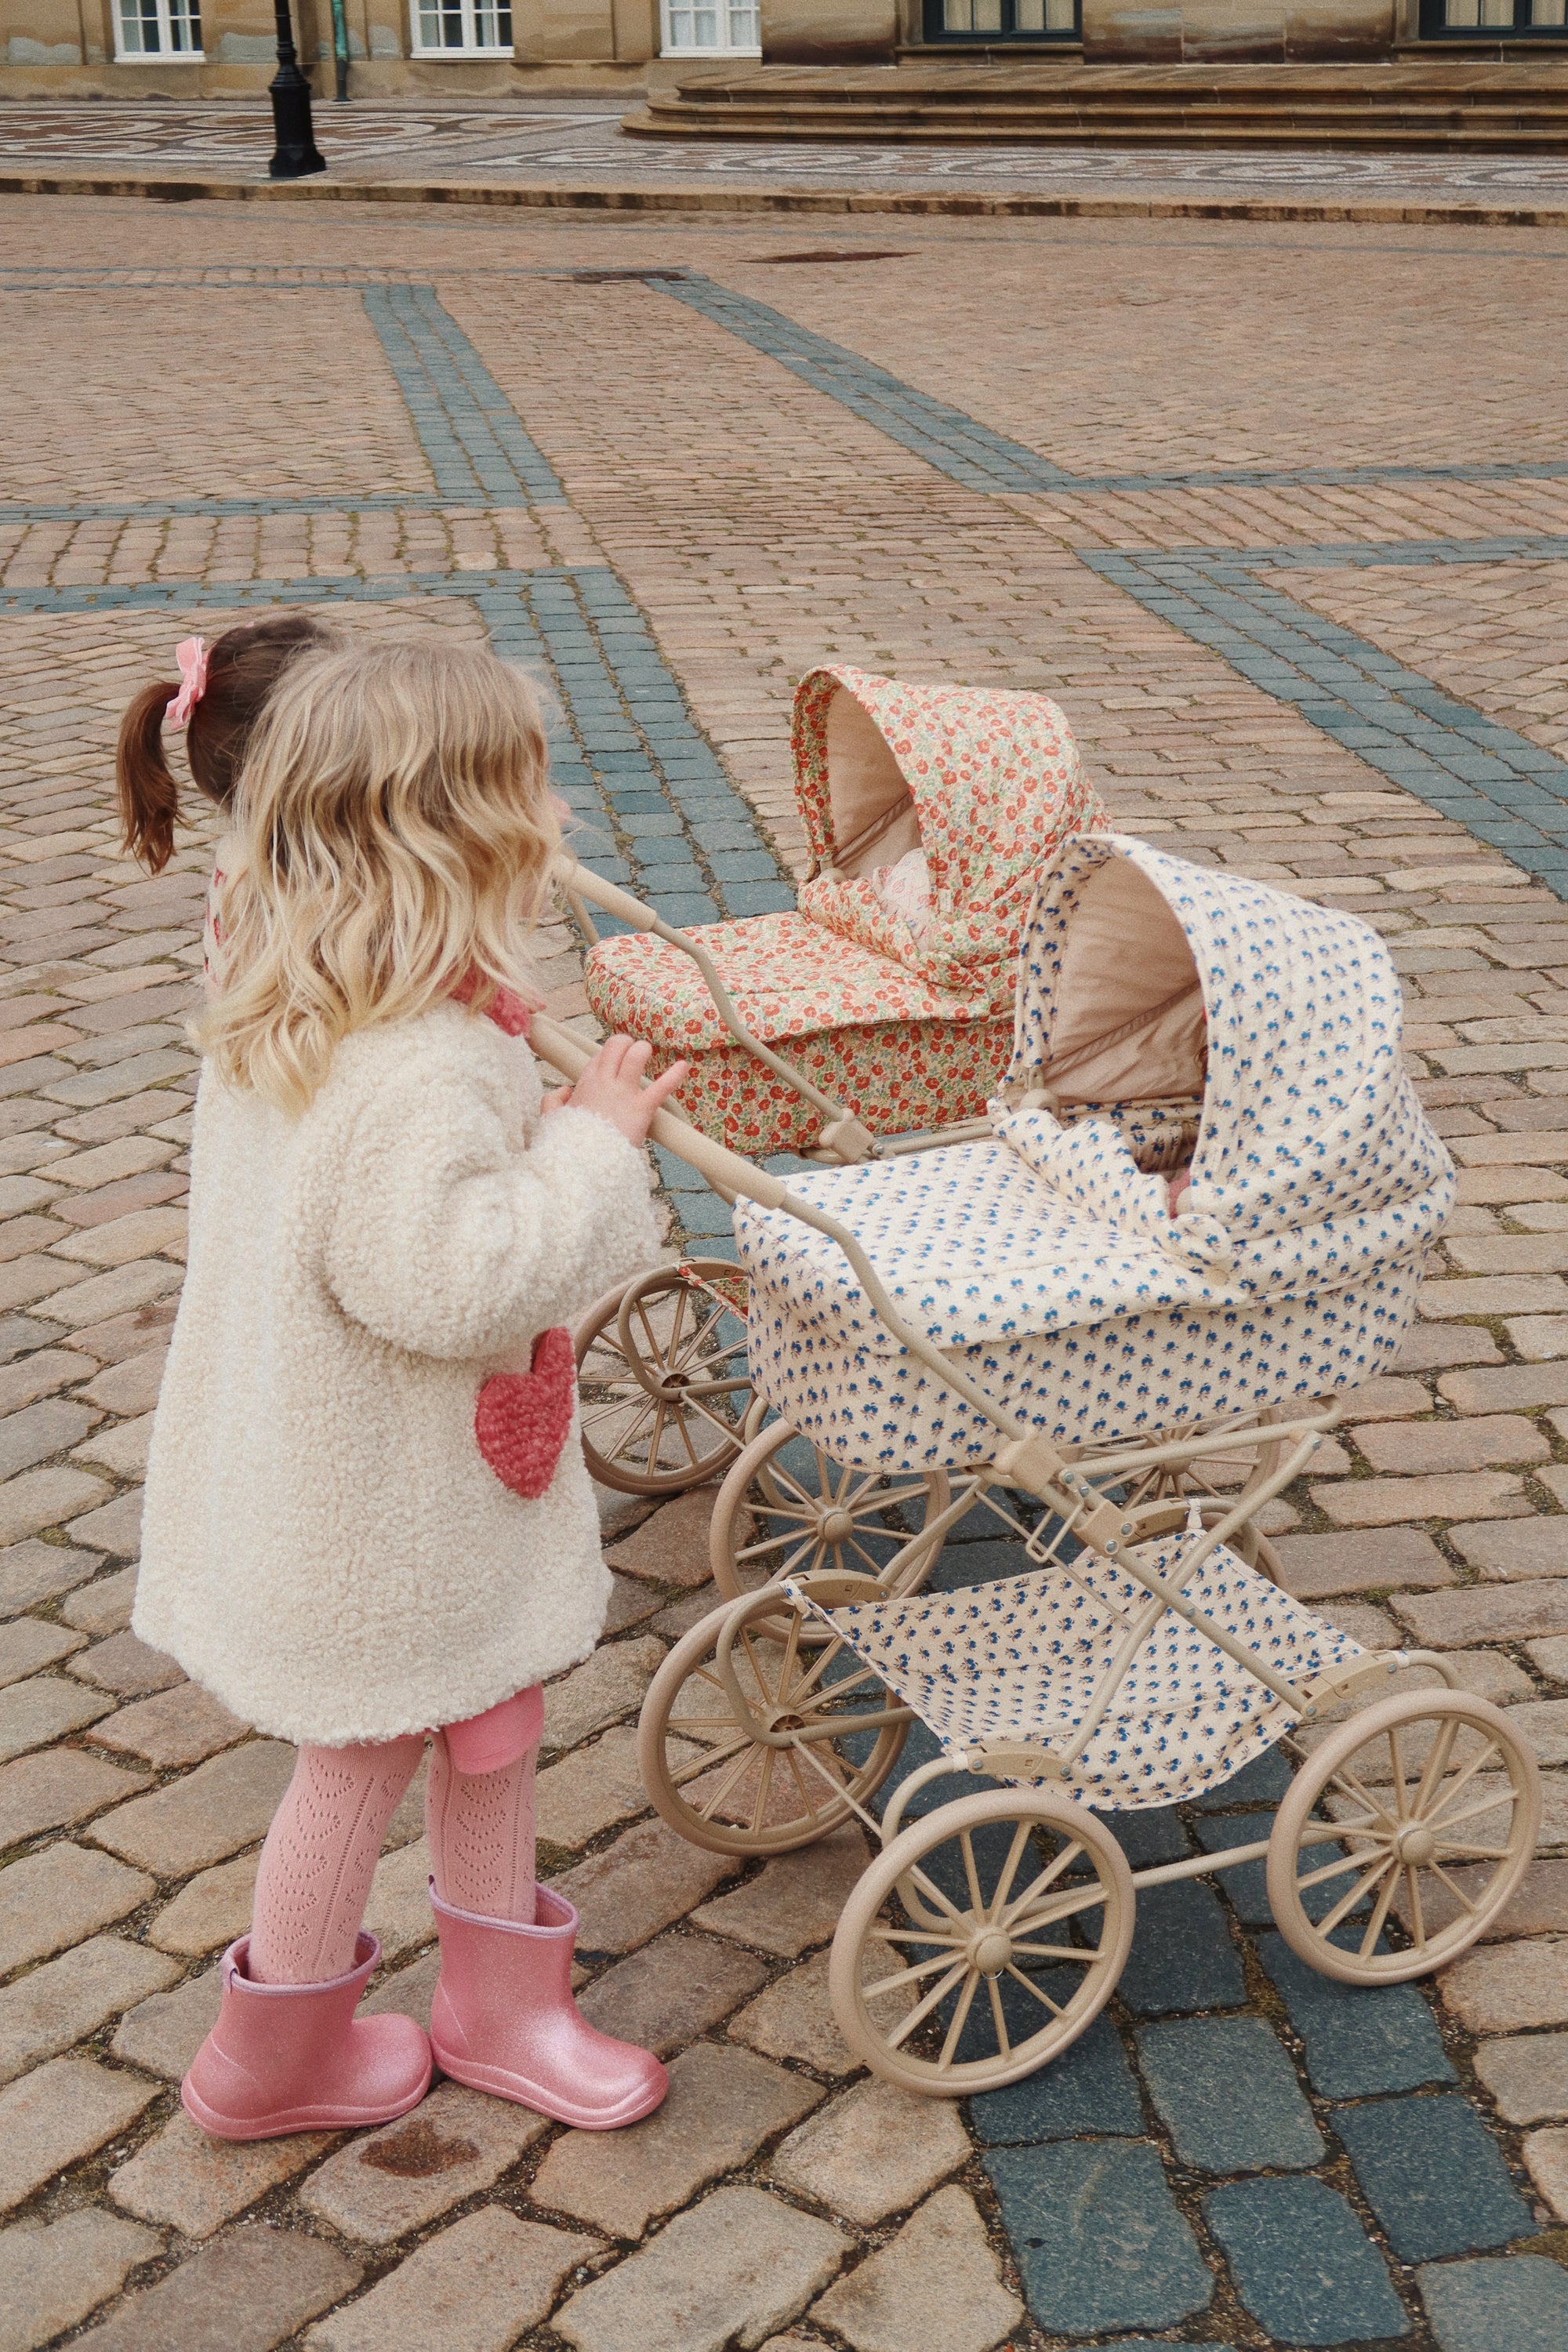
157,29
1001,20
1480,17
725,27
461,28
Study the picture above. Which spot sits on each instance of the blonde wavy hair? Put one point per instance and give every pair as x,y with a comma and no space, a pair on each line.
396,830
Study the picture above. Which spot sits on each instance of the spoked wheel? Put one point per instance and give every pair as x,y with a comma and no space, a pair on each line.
787,1509
1216,1483
661,1369
1435,1802
981,1942
710,1776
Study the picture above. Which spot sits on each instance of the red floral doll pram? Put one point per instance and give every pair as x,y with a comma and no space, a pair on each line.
875,1016
931,812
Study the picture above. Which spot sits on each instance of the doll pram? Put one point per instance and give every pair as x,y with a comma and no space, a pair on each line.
1026,1316
905,1018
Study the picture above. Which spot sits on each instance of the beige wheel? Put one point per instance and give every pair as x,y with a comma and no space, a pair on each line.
787,1509
711,1777
661,1372
1436,1800
987,1984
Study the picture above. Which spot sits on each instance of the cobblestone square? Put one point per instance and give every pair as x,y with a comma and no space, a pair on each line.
1278,512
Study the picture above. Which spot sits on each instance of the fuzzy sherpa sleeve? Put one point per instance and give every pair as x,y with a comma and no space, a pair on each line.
448,1240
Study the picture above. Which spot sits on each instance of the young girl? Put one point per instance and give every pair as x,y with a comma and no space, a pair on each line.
367,1515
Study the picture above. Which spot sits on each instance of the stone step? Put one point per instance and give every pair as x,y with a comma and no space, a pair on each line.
1429,105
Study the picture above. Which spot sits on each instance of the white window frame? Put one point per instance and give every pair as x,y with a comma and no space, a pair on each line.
667,48
471,49
166,56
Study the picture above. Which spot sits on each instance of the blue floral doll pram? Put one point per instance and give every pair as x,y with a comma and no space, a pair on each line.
1122,1388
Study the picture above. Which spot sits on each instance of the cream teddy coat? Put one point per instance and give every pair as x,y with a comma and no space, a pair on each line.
324,1546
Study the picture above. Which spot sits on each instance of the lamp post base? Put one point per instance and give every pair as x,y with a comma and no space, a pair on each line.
295,154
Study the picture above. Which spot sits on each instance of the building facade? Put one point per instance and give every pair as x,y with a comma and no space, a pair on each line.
191,48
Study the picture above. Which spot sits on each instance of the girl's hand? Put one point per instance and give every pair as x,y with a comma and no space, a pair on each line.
611,1087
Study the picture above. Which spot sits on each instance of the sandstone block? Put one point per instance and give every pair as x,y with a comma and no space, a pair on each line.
398,2180
109,1163
57,2115
730,2270
52,2277
66,1999
1316,1566
1427,1347
410,1991
42,1429
1459,1494
1509,1613
209,1910
34,1572
127,1666
123,1292
144,1233
1507,1549
164,2035
399,1907
593,1788
120,1447
474,2288
180,1726
648,1877
795,1900
195,2183
874,2151
1551,1657
1527,2077
1544,1722
132,1386
30,1643
1504,1294
631,1603
224,1804
1505,1388
610,1684
1539,1337
1509,1988
104,1606
43,1499
1386,1400
46,1792
1545,2155
51,1899
793,2019
671,1548
245,2293
938,2285
1419,1447
674,1989
722,2104
116,1528
33,1713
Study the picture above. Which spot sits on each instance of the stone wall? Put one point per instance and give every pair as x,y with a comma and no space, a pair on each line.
1239,32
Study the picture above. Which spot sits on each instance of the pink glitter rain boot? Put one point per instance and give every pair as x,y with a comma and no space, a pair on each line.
294,2058
504,2020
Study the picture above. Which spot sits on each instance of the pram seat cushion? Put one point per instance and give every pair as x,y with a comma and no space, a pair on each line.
907,1021
1021,1660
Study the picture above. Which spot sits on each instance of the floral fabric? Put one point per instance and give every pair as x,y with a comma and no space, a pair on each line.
908,1024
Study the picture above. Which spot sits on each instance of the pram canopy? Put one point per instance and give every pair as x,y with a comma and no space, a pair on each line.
907,1021
1049,1257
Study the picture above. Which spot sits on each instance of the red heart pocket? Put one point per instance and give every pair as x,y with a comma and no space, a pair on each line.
522,1420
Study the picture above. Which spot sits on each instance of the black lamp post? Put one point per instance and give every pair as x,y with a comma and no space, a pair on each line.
296,154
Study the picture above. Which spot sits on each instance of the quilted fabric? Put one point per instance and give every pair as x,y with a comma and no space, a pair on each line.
1039,1259
909,1027
1022,1659
996,784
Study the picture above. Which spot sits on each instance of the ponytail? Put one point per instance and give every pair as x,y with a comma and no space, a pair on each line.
148,795
242,669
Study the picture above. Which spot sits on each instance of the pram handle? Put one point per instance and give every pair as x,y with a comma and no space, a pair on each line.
844,1135
727,1172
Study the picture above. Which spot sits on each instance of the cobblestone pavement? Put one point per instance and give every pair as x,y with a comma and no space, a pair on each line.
581,143
1281,516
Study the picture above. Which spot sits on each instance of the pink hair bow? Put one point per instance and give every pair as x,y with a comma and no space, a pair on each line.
191,653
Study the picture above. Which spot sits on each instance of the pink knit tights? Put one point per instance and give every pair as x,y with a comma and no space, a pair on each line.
326,1836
